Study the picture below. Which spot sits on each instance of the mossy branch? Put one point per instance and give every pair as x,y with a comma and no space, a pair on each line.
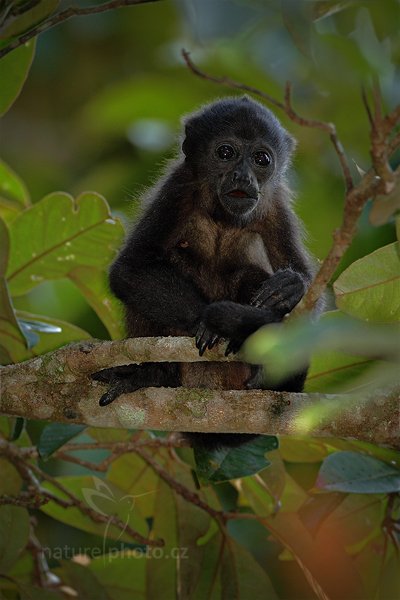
57,386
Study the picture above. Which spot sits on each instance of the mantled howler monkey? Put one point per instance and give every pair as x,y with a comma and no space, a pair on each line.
217,253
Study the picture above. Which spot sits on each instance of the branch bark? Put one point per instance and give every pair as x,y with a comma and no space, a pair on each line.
57,387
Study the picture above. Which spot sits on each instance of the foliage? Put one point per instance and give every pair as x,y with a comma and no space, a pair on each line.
314,518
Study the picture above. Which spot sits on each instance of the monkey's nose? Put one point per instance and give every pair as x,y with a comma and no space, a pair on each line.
241,177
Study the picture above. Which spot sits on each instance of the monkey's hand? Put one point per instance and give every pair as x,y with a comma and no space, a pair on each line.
280,293
205,338
235,322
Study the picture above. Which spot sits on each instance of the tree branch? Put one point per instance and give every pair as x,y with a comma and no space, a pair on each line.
64,15
57,386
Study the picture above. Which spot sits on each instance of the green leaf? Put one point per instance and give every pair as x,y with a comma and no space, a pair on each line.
133,475
56,435
14,68
317,509
59,234
83,581
286,348
18,428
13,194
109,434
93,284
370,288
26,19
14,534
241,575
123,574
358,474
30,592
300,450
53,333
13,345
11,481
231,463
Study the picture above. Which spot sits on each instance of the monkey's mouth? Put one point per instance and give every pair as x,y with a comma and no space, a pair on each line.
238,194
239,202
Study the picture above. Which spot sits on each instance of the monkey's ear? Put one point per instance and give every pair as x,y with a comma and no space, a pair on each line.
291,143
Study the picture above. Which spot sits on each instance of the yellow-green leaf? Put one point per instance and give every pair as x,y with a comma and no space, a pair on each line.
370,288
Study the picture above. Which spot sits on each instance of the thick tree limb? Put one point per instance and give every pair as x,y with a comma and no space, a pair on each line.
57,386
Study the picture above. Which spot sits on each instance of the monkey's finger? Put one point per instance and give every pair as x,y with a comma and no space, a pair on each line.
213,340
276,286
290,295
233,347
112,393
203,346
202,341
103,376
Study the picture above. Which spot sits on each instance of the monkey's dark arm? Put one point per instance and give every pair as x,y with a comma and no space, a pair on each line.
155,289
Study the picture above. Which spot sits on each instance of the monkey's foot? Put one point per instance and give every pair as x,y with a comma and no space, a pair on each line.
120,381
125,379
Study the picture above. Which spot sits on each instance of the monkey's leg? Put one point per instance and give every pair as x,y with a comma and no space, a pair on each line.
129,378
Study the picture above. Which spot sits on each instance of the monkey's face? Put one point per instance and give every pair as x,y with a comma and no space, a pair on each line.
242,168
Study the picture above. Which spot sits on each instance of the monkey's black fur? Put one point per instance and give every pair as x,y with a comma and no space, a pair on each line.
217,253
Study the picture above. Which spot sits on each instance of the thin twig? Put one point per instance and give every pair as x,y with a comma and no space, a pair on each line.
366,105
66,14
230,82
179,488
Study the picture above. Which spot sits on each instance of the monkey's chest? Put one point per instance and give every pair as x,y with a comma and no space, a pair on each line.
212,257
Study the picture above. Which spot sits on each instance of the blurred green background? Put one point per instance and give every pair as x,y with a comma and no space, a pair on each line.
102,105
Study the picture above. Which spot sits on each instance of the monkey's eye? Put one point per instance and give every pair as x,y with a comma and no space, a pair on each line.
225,152
262,158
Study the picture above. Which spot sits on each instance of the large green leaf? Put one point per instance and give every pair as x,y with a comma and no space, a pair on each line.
357,473
14,534
226,463
13,345
14,68
370,288
56,435
59,234
93,285
122,575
